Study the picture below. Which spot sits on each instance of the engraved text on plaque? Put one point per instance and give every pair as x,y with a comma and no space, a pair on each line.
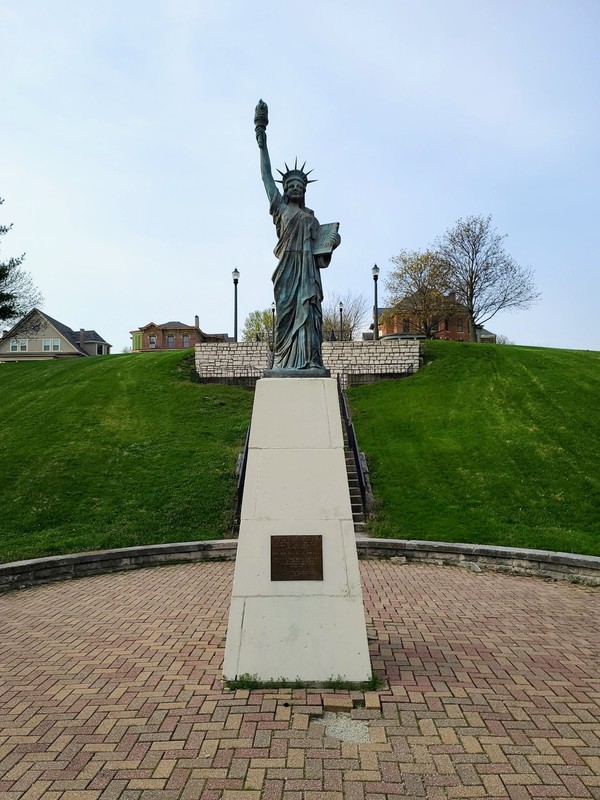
296,558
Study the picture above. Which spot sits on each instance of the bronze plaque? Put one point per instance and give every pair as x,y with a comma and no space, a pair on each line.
296,558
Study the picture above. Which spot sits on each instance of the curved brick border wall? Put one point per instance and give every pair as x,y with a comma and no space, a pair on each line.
519,561
355,362
537,563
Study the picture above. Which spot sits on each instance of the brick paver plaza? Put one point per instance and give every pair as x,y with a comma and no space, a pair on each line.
110,688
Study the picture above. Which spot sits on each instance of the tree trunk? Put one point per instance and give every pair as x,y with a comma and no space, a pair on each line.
472,329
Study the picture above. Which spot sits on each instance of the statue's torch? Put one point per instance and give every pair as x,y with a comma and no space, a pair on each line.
261,116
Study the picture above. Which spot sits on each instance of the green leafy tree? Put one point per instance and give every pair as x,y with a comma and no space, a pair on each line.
259,325
483,276
355,316
419,290
18,294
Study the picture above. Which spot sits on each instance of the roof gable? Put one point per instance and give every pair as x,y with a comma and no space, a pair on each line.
173,325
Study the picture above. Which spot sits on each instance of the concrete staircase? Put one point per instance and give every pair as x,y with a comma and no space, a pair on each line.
358,513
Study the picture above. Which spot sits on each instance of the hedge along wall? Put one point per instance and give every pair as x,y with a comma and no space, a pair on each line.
356,362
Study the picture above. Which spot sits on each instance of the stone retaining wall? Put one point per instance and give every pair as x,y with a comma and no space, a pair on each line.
232,362
365,362
533,563
355,362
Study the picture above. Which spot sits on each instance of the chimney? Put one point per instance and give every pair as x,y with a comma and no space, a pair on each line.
81,337
197,321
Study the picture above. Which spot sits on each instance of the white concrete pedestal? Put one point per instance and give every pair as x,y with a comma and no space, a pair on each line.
296,485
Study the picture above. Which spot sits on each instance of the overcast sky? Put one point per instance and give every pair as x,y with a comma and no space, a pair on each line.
130,170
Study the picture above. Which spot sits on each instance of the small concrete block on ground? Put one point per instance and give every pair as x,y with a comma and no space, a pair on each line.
337,702
372,701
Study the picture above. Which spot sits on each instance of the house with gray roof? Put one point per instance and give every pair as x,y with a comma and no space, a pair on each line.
37,336
173,335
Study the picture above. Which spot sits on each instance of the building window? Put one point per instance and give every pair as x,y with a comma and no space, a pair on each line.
13,346
23,345
186,340
170,341
99,350
56,344
46,345
447,324
406,326
459,327
152,342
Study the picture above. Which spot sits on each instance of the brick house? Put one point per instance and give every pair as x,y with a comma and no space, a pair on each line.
455,327
171,336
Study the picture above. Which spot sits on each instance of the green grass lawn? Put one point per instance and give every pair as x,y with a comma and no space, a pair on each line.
114,452
487,444
490,444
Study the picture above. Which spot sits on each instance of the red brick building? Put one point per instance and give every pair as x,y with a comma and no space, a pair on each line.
455,328
171,336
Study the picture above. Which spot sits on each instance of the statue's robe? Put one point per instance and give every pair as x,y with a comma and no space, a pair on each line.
297,288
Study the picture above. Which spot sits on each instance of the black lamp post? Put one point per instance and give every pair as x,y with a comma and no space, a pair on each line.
375,273
341,324
273,326
236,276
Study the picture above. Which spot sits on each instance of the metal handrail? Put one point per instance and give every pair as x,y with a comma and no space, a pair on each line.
242,476
353,444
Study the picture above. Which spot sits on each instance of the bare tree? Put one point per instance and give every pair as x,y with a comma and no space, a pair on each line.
18,294
484,278
24,292
419,290
354,318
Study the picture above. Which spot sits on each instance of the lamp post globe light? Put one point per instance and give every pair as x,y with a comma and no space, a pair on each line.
341,323
236,276
375,273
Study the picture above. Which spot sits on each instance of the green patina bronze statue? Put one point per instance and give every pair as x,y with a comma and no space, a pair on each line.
303,248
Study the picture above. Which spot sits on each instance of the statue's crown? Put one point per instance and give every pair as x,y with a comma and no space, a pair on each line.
295,173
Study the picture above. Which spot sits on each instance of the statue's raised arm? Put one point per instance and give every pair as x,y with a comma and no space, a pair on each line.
261,120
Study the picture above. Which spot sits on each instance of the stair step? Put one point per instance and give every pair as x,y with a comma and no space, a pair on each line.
358,513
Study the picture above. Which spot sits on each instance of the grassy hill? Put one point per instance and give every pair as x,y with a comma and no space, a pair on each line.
489,444
114,452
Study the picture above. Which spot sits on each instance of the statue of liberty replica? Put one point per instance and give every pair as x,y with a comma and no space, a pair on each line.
296,608
303,249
